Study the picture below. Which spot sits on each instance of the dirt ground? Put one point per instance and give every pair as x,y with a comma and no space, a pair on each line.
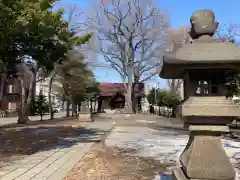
19,141
110,163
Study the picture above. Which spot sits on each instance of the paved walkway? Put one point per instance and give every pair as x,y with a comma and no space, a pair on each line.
54,164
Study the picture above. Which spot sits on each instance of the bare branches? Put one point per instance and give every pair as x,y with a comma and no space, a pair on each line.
177,37
175,86
74,75
73,16
132,35
228,33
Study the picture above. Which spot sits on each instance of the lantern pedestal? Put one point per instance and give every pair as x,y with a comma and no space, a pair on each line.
204,156
85,117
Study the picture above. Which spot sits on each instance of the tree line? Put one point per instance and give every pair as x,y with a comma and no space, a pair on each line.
132,36
38,42
164,98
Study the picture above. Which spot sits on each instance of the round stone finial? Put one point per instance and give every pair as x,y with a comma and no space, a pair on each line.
203,23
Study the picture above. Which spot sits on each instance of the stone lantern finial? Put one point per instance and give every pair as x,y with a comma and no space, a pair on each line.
203,24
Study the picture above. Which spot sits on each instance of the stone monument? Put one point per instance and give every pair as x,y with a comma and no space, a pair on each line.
85,114
203,64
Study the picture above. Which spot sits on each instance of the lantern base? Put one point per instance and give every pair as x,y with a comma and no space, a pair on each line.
177,174
85,117
204,156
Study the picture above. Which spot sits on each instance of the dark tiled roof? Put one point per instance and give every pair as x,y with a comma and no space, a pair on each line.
111,89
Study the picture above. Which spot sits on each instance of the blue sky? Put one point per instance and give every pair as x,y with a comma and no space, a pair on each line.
227,12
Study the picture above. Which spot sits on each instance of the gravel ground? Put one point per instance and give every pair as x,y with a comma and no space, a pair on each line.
112,163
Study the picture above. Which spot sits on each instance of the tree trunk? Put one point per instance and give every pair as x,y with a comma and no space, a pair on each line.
128,108
68,108
79,107
95,105
91,109
74,109
25,101
135,94
139,105
22,118
3,87
134,104
91,106
128,101
99,108
174,108
32,109
51,111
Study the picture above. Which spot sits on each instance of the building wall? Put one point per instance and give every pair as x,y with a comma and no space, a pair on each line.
147,88
11,101
13,94
181,91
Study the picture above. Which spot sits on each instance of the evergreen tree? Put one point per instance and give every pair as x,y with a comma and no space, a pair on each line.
41,105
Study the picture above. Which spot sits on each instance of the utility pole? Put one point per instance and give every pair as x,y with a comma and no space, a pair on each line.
155,94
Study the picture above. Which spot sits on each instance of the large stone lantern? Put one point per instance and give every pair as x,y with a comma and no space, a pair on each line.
203,64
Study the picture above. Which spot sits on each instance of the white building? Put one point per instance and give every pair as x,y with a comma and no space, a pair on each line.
43,87
147,89
181,90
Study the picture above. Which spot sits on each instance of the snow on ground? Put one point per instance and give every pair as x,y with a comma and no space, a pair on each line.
146,121
165,146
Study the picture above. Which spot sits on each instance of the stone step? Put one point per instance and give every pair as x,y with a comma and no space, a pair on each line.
209,100
210,106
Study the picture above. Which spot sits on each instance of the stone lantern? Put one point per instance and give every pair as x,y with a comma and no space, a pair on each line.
203,64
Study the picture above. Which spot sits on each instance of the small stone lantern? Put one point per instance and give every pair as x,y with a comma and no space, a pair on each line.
203,64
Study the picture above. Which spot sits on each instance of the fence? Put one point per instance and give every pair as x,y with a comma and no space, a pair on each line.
161,111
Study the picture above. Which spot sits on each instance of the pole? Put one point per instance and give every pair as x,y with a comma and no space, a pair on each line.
155,95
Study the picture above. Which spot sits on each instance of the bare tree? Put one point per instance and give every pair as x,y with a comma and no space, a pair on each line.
132,37
228,33
176,38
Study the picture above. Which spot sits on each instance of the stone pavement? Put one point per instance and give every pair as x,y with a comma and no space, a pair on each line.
56,163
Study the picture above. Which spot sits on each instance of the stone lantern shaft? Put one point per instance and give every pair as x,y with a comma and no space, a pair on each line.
203,65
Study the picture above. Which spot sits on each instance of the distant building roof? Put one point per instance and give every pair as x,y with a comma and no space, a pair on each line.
111,89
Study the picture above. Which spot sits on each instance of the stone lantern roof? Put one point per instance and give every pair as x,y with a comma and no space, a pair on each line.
203,52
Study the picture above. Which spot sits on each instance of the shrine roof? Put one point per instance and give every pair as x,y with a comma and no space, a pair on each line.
111,89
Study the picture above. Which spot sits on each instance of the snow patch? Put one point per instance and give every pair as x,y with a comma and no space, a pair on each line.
165,146
145,121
